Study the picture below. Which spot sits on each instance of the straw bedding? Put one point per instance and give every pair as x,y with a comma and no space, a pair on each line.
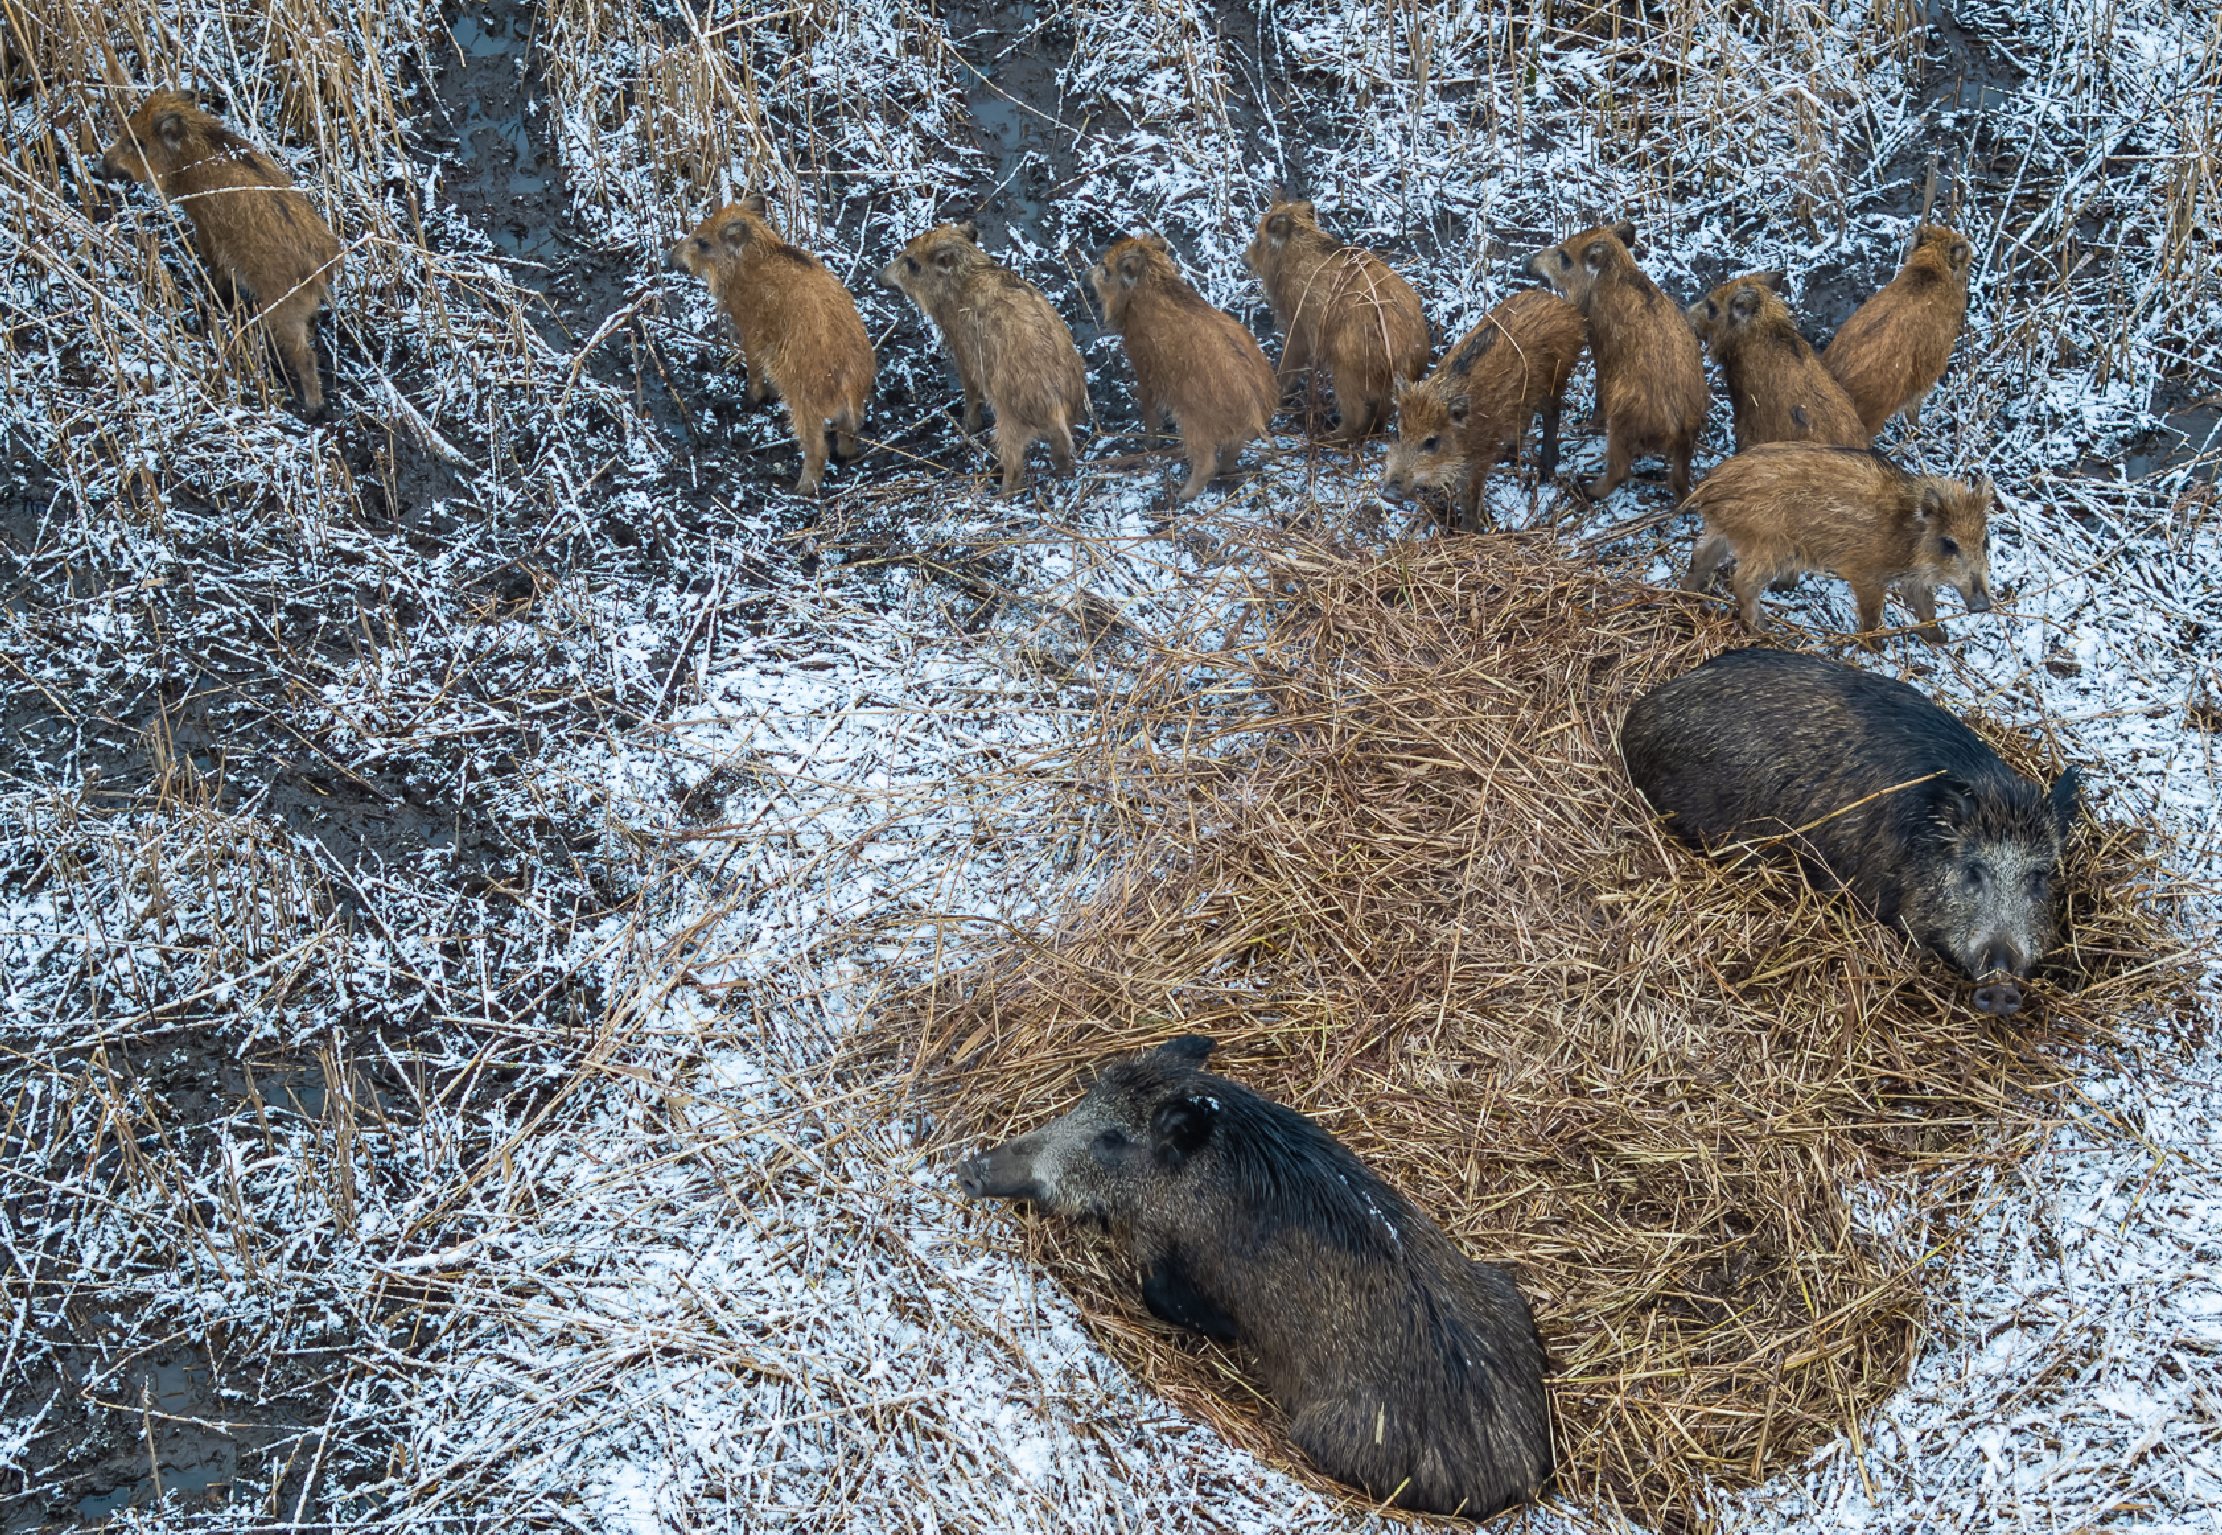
1379,843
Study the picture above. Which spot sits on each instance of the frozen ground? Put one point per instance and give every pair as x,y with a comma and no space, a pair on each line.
439,850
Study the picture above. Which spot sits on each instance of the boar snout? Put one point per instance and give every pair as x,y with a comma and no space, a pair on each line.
2003,966
1006,1172
1978,597
2001,999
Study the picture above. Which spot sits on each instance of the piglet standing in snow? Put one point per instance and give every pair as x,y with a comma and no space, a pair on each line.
1650,374
1406,1368
800,334
1011,349
1193,365
1342,312
263,241
1775,382
1785,507
1875,789
1474,409
1894,348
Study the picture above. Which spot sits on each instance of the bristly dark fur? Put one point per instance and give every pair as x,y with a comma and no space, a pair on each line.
1871,785
1406,1368
1282,1168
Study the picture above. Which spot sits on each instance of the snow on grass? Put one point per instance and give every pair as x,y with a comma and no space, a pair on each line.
533,1185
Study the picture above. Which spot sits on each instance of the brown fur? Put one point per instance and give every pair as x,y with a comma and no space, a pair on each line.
1192,363
1341,309
1475,407
1650,376
1782,508
801,337
261,239
1893,349
1776,384
1009,345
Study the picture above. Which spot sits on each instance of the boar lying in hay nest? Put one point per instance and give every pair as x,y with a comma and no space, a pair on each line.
1720,1126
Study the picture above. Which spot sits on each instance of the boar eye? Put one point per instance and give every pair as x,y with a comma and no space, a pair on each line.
1111,1142
1975,876
1564,259
911,262
1428,445
1711,309
1948,547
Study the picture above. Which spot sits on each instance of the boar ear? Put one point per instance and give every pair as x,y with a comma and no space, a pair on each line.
1625,233
1303,209
1277,228
1596,254
753,203
1955,801
1192,1049
946,257
1153,239
1180,1127
1928,505
1772,280
1745,304
1130,267
735,233
2065,799
1459,408
970,230
169,127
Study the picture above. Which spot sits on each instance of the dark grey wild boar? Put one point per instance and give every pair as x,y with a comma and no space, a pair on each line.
1875,789
1406,1368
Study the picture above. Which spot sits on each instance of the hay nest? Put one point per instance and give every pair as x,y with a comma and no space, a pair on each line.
1380,845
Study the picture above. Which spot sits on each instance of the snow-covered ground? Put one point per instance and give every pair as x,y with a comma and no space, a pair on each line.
439,852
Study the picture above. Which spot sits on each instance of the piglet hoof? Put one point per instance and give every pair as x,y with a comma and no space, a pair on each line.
2000,999
1932,633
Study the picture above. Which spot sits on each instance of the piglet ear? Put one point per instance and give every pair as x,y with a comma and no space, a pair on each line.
1928,505
169,127
1189,1049
1180,1127
2065,799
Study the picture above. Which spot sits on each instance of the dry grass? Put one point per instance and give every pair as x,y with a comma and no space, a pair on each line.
1377,840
